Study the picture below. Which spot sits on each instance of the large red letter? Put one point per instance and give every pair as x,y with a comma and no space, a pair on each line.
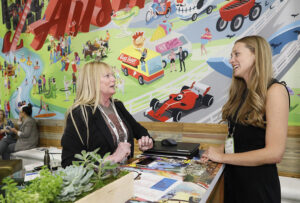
86,15
56,17
120,4
74,18
102,13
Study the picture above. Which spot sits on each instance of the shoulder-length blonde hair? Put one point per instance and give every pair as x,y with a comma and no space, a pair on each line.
88,86
253,109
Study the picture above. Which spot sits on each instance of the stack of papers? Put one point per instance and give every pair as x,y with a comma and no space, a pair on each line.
152,187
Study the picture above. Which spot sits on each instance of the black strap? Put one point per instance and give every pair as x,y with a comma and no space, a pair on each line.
282,83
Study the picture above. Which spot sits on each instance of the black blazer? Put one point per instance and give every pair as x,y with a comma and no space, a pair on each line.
99,133
181,55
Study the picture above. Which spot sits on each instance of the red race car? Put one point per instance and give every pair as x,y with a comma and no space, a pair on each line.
189,99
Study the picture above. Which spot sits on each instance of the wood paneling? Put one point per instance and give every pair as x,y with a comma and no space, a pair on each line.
294,131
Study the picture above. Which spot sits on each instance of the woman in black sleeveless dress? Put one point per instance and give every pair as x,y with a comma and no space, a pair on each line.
257,115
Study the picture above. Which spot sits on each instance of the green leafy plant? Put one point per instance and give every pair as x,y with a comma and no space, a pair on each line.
88,174
92,160
40,190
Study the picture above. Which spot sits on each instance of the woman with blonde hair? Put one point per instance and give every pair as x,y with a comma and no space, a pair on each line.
96,120
257,114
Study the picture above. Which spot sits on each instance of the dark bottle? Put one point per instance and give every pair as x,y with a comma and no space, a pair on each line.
47,158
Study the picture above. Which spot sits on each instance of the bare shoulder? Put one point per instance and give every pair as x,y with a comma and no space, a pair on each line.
277,89
277,93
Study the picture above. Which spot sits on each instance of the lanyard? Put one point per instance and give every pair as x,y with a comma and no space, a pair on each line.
231,132
112,125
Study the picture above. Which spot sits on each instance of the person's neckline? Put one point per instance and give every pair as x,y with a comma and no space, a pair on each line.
107,104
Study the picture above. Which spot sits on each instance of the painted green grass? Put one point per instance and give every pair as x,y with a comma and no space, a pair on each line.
294,116
14,83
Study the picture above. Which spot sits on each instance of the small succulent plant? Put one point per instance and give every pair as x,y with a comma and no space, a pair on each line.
81,176
76,180
92,160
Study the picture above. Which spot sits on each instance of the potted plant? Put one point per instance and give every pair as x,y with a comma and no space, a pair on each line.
91,179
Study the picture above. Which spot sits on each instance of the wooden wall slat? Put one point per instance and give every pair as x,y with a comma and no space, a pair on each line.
155,126
294,131
205,128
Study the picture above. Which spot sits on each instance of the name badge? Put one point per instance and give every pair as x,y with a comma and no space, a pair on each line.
229,145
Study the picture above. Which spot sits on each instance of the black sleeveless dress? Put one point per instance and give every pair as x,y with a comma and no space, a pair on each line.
253,184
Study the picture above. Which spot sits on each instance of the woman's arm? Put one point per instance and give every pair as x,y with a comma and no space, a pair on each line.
70,140
277,110
26,130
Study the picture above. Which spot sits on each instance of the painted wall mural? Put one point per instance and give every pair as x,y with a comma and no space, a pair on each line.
171,57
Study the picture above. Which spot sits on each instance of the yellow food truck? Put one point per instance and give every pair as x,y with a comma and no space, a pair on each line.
147,71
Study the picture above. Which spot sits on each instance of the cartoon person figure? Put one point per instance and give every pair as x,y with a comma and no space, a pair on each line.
29,62
40,84
121,85
66,86
34,82
204,40
154,7
144,55
41,104
172,57
106,40
162,5
142,59
72,28
23,59
182,57
5,82
53,90
74,79
117,73
63,62
44,83
51,56
8,84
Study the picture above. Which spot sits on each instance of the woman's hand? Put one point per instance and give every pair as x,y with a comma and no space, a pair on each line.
121,152
214,154
145,143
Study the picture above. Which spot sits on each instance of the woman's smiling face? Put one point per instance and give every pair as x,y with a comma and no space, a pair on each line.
242,61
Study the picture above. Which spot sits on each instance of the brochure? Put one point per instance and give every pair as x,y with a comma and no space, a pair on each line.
152,187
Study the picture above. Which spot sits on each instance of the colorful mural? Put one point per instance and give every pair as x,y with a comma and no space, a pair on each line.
170,56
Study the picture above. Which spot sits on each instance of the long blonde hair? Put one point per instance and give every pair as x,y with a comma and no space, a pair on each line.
88,86
88,93
253,109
